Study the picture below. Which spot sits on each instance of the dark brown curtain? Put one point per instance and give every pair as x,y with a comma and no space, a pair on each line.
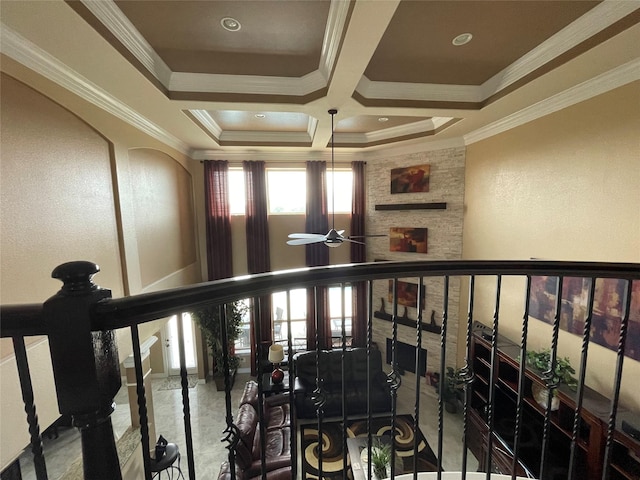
218,222
317,254
358,255
258,255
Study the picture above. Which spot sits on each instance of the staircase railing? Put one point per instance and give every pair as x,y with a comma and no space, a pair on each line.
81,319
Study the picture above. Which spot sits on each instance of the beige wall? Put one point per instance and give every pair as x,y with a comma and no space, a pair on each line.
71,180
564,187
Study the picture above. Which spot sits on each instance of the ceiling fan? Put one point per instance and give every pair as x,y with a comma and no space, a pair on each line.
333,238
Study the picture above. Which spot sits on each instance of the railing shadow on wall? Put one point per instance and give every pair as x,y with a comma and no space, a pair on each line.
81,319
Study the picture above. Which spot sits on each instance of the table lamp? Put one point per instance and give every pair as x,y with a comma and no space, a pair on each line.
276,355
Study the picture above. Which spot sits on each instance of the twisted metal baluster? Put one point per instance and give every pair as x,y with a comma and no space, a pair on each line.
521,379
492,375
467,376
186,408
369,342
393,378
292,437
624,324
344,385
319,398
443,355
30,407
142,401
583,371
416,423
232,433
551,380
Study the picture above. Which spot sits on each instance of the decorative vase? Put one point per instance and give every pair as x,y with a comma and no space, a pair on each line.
541,395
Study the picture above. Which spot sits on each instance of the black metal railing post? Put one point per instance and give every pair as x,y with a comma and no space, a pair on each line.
85,366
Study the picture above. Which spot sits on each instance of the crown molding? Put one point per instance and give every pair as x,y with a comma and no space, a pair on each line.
247,84
336,22
121,27
33,57
595,20
603,83
418,91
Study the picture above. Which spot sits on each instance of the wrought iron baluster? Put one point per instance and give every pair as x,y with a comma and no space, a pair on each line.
261,358
344,385
142,401
416,424
231,433
186,408
492,373
319,397
369,342
394,378
550,379
624,325
521,380
443,368
583,371
26,386
292,436
467,375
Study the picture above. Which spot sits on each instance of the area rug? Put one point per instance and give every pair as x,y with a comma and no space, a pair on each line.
175,382
332,453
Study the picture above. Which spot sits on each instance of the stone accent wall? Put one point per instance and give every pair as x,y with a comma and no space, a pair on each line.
444,240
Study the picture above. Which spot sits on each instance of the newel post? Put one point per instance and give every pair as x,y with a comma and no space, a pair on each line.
85,366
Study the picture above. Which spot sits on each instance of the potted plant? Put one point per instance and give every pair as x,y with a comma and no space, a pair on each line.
380,459
540,360
453,393
209,320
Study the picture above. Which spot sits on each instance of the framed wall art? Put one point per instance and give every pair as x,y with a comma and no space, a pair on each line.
608,308
407,294
408,240
410,179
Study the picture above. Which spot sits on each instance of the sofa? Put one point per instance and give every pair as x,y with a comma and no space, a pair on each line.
330,361
277,421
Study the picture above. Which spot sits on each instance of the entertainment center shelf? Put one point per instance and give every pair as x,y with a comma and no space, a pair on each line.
592,435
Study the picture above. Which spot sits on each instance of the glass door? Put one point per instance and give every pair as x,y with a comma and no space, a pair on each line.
172,346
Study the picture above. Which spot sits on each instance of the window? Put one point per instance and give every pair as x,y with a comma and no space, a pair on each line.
243,342
287,191
236,191
298,316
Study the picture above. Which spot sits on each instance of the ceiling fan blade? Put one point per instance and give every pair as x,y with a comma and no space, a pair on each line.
306,241
353,241
306,235
367,236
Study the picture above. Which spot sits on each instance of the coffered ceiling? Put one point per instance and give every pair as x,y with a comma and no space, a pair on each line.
391,67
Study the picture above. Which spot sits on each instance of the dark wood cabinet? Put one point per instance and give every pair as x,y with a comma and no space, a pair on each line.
593,426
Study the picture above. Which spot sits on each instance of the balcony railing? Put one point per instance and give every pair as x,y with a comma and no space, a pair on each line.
495,386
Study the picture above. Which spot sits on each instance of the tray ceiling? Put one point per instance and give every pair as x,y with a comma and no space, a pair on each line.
390,67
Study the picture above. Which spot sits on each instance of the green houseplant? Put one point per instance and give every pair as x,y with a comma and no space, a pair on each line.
380,459
540,360
453,392
210,322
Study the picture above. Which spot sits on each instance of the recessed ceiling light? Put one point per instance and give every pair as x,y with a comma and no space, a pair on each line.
462,39
383,119
260,115
230,24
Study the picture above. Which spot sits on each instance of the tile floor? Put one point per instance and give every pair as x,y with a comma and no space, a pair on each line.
208,421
